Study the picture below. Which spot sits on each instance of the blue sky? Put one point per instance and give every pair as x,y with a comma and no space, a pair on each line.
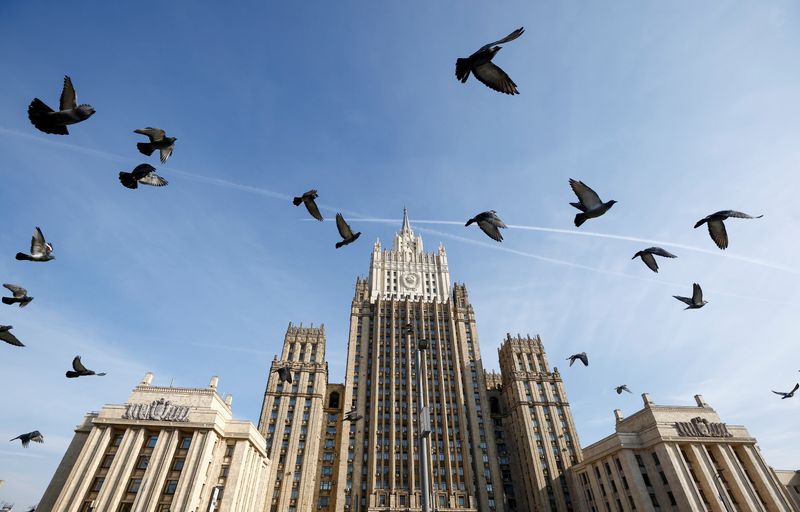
675,110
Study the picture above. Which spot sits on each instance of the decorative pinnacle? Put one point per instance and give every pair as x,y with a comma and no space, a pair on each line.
406,225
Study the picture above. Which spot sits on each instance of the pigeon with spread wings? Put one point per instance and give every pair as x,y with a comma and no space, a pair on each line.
489,74
144,174
158,141
308,200
284,374
620,389
489,223
348,237
696,301
20,295
69,112
648,256
582,357
716,225
790,394
588,202
78,370
41,249
26,439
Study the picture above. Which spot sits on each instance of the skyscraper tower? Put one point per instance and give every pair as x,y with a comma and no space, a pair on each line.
379,456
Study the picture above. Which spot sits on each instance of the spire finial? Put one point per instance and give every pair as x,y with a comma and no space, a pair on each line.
406,225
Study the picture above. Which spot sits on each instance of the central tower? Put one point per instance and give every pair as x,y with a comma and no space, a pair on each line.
379,455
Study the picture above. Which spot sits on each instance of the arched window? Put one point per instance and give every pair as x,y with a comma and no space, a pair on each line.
333,400
494,405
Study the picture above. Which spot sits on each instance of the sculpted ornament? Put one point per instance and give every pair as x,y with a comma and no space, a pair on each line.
158,410
701,427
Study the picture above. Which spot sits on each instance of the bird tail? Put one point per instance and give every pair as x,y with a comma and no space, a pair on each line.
462,69
23,257
145,148
71,375
38,114
580,219
297,200
8,300
14,439
127,180
341,244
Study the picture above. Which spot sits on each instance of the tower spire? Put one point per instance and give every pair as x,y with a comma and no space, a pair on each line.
406,225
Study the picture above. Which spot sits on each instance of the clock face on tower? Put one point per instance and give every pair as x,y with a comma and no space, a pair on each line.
410,282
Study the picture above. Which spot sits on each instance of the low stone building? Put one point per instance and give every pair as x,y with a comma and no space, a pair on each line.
166,449
678,458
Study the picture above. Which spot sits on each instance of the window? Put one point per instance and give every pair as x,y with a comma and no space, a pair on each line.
107,461
186,442
117,440
333,401
324,501
225,470
229,450
171,486
133,486
178,464
98,483
151,443
144,460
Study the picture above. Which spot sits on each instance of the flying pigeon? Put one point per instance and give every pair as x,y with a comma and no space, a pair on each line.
5,335
48,121
589,202
348,237
144,174
648,256
308,200
480,64
489,223
620,389
284,374
80,370
158,141
716,226
582,357
352,416
20,295
790,394
696,302
26,439
40,249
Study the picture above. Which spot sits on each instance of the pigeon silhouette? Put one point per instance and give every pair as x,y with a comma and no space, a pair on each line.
588,202
582,357
696,302
308,200
348,237
158,141
790,394
284,374
41,250
620,389
716,225
69,112
144,174
26,439
648,256
480,64
5,335
352,416
78,370
489,223
20,295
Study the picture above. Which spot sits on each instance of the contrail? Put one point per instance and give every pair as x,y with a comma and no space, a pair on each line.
607,236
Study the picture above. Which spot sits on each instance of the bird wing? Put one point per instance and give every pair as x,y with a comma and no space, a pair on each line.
658,251
166,153
685,300
697,294
312,208
495,78
737,215
584,358
36,436
77,365
10,339
716,228
796,387
153,179
17,291
491,229
344,230
588,197
510,37
494,219
69,99
142,170
572,359
650,261
38,243
153,134
776,392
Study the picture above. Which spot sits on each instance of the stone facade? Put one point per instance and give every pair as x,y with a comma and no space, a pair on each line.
166,449
678,458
